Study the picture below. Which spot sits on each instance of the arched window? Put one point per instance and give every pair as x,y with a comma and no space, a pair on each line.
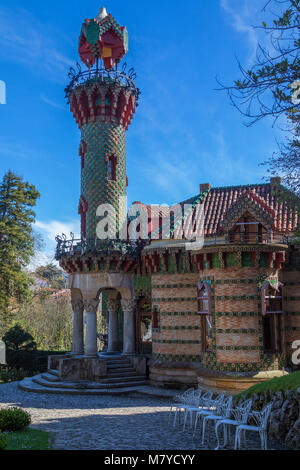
107,104
155,318
204,309
98,106
82,152
111,167
271,301
82,211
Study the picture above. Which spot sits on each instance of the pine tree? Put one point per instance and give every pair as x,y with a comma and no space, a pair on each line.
17,198
271,87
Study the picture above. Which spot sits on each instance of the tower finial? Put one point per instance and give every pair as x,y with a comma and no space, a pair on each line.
102,14
102,37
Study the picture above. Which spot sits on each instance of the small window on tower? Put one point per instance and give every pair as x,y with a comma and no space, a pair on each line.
107,105
110,169
111,166
98,106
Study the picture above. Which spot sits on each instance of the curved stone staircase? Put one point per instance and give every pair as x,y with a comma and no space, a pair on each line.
121,378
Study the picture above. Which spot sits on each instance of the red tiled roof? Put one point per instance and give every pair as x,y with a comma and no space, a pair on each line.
218,201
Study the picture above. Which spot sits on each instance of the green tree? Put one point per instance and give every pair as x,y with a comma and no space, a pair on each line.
286,161
17,198
271,86
52,275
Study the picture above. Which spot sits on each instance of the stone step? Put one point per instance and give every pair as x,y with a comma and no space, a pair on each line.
117,370
116,359
50,377
116,365
118,379
121,374
53,372
29,385
120,361
88,385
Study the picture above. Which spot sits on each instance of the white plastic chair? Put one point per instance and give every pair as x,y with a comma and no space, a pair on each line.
192,406
180,405
260,419
223,411
240,416
207,407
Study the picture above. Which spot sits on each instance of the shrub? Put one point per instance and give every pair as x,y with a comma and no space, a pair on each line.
26,360
18,339
3,441
11,374
20,348
14,419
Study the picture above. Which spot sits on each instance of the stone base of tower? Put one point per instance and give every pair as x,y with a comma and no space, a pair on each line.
183,376
102,368
81,375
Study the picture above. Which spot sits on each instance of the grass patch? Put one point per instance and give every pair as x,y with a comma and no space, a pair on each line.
30,439
284,383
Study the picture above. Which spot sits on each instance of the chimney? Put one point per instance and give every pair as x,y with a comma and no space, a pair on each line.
275,180
204,187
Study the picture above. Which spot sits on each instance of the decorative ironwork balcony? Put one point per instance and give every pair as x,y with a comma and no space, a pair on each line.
246,238
117,76
131,248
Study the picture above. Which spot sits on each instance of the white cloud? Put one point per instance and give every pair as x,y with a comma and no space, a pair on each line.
53,228
242,15
48,231
52,103
25,40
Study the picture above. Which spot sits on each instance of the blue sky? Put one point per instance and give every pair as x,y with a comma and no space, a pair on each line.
184,132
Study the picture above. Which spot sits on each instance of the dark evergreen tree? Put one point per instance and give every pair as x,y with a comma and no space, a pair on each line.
17,198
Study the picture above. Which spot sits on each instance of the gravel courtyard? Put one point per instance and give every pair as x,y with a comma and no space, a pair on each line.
129,422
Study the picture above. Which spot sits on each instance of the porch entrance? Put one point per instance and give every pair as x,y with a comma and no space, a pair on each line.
144,327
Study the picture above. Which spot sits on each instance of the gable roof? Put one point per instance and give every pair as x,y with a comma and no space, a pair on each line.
248,202
267,199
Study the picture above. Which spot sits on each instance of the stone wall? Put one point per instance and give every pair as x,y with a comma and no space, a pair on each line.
284,421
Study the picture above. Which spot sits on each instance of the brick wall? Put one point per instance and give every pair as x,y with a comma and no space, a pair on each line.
237,320
291,305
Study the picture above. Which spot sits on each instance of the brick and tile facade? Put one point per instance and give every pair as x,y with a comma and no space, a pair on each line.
222,312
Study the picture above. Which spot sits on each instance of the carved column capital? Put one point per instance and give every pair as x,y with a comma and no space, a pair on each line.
77,305
113,305
91,305
128,305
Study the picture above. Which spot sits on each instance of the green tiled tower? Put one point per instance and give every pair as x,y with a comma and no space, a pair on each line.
103,101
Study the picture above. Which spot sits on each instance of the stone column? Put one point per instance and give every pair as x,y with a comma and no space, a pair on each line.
77,344
91,306
113,325
128,307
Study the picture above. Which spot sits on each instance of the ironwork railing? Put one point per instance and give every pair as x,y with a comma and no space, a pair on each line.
133,248
120,77
74,246
249,238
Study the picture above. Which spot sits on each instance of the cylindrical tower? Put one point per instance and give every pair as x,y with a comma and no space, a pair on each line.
103,100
